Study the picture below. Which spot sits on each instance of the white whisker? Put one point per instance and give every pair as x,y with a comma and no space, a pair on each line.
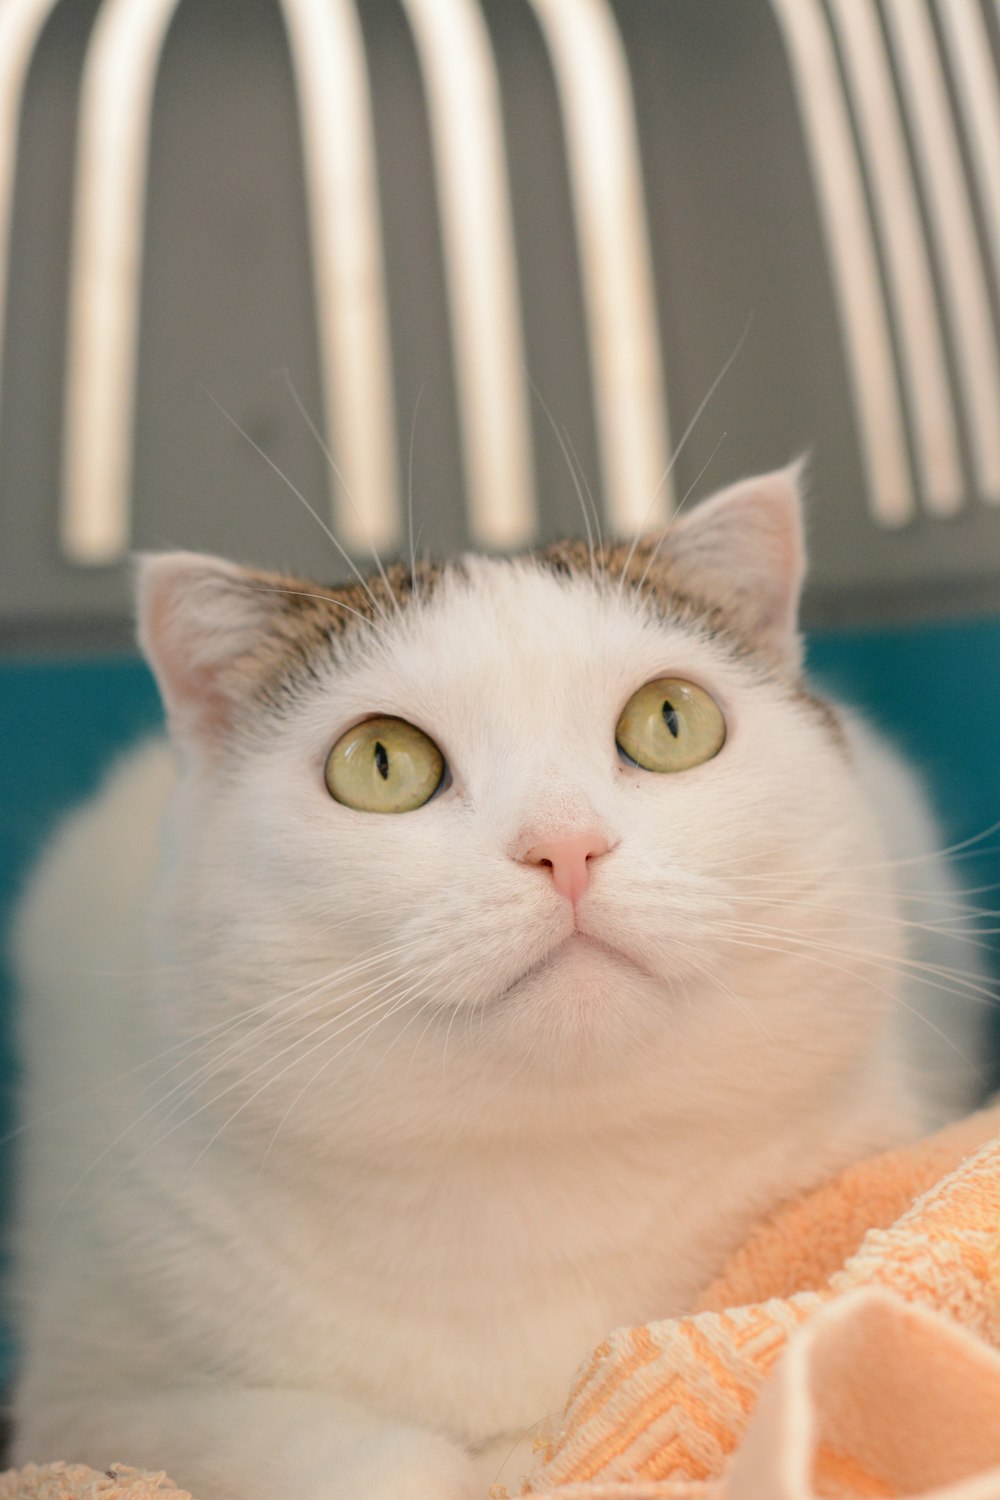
324,448
276,468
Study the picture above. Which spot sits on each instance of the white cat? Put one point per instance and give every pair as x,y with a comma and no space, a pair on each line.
483,956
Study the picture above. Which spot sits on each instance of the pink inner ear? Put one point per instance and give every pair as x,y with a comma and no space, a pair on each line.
191,627
190,691
748,540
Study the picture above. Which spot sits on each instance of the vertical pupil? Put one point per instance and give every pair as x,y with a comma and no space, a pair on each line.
381,760
670,718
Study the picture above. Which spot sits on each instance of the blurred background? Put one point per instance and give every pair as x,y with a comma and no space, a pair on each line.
372,265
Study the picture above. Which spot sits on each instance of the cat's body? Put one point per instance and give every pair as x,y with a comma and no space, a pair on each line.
468,1098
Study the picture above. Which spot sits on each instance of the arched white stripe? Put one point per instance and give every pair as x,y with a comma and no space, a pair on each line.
463,98
979,98
339,150
953,232
598,111
115,104
911,289
853,261
978,92
21,23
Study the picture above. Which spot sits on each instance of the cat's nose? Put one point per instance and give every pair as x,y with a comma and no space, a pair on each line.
569,861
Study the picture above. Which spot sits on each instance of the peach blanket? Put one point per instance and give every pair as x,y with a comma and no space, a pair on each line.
849,1351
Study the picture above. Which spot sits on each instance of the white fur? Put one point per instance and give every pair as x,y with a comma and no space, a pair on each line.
365,1243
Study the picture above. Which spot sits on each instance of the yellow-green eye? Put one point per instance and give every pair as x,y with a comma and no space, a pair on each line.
670,725
384,766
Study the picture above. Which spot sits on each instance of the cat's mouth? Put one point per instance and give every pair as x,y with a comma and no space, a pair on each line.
577,947
582,942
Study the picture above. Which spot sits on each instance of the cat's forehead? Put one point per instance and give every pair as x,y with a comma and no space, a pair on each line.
562,611
549,622
497,647
568,577
566,612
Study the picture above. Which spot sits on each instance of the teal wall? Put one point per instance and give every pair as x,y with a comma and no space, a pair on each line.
935,688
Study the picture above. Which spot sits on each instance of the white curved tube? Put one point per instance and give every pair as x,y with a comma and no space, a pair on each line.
598,112
116,102
850,245
463,100
979,100
335,115
953,233
21,23
909,282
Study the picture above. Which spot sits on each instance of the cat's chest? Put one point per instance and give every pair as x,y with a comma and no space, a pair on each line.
456,1300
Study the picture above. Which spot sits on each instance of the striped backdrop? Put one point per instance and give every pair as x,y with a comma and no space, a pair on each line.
814,183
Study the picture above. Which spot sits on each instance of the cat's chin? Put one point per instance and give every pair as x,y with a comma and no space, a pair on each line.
581,970
582,947
581,1012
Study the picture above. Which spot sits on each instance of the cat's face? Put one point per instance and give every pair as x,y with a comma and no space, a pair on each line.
542,907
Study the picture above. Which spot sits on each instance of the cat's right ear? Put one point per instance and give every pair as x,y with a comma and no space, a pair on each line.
745,546
200,621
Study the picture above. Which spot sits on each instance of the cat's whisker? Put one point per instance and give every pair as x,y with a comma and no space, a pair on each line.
444,1049
564,450
956,926
973,926
262,588
270,1030
942,896
192,1082
966,986
433,1004
198,1041
893,995
738,1001
964,848
678,450
409,489
134,1123
400,999
654,554
290,999
192,1115
595,509
276,468
265,1033
327,453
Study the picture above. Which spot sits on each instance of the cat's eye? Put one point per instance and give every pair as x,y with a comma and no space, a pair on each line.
670,725
384,766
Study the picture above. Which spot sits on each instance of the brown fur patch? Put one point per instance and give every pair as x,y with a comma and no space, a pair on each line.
675,590
307,620
311,618
680,594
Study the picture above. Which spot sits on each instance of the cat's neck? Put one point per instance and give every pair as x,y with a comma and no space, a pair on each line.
673,1199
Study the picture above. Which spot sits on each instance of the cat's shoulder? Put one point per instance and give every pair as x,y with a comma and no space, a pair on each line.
95,863
893,787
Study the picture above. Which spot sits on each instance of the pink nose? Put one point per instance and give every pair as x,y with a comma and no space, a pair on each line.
568,859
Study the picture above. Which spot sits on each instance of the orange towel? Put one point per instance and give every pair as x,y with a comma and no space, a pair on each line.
891,1387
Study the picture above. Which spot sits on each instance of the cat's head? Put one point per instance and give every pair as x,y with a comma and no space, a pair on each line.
571,817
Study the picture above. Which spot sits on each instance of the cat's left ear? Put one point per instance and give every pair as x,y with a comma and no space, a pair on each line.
745,547
202,624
